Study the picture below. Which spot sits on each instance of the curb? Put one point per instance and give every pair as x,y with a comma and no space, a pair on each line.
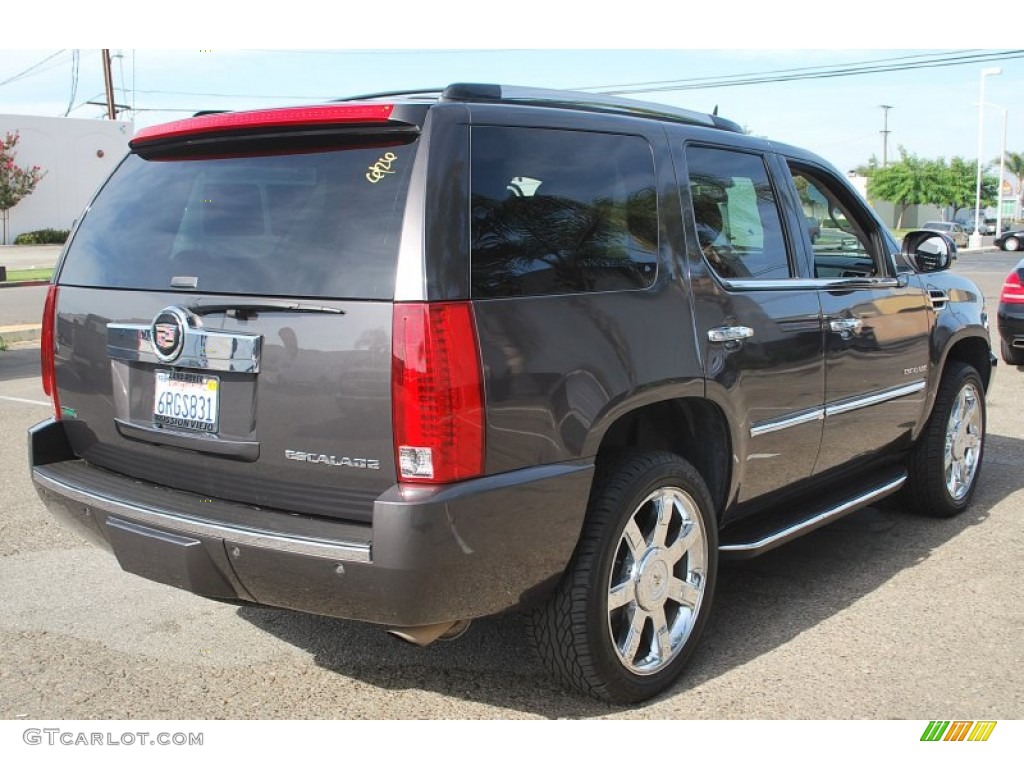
15,333
24,283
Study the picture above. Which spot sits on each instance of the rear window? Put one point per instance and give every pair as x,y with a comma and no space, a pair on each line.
321,224
561,212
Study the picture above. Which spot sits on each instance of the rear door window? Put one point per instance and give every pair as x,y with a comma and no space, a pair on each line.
557,212
299,224
739,228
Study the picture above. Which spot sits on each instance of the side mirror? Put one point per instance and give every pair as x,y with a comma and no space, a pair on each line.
929,251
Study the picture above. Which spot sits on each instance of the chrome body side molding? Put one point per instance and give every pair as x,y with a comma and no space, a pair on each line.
835,408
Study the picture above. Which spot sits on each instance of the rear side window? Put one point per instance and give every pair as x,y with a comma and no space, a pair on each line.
319,224
739,229
559,212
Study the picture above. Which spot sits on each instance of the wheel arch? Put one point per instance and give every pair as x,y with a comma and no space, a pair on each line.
694,428
970,348
976,352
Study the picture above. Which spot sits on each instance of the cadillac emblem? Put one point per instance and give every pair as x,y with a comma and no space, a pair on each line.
167,333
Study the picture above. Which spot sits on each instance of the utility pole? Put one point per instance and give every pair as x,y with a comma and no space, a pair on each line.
885,133
109,82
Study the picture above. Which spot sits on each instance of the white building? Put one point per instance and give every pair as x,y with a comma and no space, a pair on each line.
77,156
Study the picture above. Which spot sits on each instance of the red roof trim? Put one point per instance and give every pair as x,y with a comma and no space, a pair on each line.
287,117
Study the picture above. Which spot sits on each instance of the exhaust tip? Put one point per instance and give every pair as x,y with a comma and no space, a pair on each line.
425,635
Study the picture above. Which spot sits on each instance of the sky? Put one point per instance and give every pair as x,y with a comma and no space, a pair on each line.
934,109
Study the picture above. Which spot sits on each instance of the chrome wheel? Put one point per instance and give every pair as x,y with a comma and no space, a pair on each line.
1011,244
657,580
944,466
963,442
629,610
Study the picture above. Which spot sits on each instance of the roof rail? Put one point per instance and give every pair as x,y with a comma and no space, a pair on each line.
589,102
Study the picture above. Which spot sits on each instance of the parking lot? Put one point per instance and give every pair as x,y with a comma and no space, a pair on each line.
881,615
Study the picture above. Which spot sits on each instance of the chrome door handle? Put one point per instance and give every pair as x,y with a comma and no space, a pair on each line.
846,325
730,333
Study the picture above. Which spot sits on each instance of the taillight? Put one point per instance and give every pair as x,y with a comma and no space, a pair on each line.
437,393
47,347
1013,291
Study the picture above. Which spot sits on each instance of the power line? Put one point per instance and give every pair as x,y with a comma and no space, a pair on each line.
74,81
32,68
788,70
865,67
822,73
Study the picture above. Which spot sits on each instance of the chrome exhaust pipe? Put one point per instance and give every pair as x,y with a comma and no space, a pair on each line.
425,635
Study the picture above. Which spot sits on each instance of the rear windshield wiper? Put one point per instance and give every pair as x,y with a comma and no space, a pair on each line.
243,310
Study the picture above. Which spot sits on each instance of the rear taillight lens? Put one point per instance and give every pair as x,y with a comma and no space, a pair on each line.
47,348
437,393
1013,291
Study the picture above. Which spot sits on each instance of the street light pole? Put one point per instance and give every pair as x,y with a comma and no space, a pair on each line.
975,240
1002,170
885,133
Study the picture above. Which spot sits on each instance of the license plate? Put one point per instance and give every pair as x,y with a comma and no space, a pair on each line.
186,401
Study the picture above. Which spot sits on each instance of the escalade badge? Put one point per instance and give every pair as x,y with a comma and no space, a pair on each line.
167,333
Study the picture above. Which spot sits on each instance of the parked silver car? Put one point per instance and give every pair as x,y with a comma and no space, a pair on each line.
950,228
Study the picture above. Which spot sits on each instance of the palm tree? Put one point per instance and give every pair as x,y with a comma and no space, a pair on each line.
1015,166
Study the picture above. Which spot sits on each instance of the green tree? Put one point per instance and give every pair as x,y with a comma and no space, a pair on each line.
916,181
955,185
16,182
902,183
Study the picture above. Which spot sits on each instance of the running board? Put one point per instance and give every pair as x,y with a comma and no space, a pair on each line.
752,539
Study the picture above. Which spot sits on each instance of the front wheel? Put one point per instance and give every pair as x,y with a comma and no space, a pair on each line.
1011,244
632,604
944,465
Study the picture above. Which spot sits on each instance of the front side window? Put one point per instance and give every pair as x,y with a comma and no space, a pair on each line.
841,244
739,229
557,212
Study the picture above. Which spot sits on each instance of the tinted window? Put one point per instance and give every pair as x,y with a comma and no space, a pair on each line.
561,212
737,219
840,242
298,224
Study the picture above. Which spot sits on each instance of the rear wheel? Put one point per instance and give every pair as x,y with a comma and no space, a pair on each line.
945,464
631,606
1011,355
1011,244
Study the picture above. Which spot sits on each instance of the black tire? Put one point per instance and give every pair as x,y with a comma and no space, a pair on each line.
585,643
1010,355
1011,244
941,484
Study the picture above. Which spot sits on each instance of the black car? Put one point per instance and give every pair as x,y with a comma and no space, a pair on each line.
1010,241
414,359
1010,317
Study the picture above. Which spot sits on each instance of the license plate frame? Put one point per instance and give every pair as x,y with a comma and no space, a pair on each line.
183,400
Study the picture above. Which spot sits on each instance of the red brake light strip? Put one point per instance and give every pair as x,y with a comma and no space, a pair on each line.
287,117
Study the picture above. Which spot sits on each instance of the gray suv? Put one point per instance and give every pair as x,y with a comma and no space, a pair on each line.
413,359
